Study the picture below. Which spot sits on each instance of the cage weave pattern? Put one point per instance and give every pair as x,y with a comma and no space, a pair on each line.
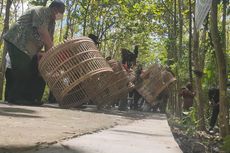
74,70
119,84
155,80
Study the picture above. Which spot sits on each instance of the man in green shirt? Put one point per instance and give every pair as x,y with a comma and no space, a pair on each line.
24,41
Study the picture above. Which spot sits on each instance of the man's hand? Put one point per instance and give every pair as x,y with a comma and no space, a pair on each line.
40,55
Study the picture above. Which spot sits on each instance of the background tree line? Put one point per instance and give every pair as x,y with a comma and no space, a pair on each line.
165,32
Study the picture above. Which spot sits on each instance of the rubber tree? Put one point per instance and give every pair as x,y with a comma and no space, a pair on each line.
222,71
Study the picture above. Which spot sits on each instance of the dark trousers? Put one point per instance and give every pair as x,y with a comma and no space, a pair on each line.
123,103
37,83
136,97
9,84
24,84
215,112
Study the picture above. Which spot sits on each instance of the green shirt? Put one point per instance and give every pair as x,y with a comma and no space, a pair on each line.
24,35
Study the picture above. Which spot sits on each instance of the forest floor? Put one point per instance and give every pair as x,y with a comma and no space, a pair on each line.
192,141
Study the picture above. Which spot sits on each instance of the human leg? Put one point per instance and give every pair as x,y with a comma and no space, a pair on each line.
21,75
215,112
9,85
36,84
123,104
137,96
19,72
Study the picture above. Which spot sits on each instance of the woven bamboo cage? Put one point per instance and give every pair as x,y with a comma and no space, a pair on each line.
155,80
119,84
74,70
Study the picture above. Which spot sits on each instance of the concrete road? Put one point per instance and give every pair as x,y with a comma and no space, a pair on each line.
24,127
151,135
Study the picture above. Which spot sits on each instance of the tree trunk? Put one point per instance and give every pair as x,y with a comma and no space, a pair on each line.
85,18
180,28
175,31
224,24
179,53
5,29
171,56
15,4
61,30
190,42
221,63
6,20
67,20
2,5
198,65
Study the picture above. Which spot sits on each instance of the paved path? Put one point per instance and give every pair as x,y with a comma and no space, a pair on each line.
150,135
25,129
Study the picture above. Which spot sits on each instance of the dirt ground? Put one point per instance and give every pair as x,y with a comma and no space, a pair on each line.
24,127
196,142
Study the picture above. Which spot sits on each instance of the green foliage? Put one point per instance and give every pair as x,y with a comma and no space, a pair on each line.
189,121
210,79
46,94
124,24
226,145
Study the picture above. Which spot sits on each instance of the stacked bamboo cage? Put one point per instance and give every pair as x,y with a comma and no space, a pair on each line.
154,81
119,84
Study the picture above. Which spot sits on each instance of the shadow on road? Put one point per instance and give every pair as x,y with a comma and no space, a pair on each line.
129,114
139,133
52,149
17,112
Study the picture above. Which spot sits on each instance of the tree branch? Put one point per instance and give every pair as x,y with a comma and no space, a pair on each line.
167,8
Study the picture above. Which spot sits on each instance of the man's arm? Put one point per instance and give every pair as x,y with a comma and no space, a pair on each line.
40,21
45,37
